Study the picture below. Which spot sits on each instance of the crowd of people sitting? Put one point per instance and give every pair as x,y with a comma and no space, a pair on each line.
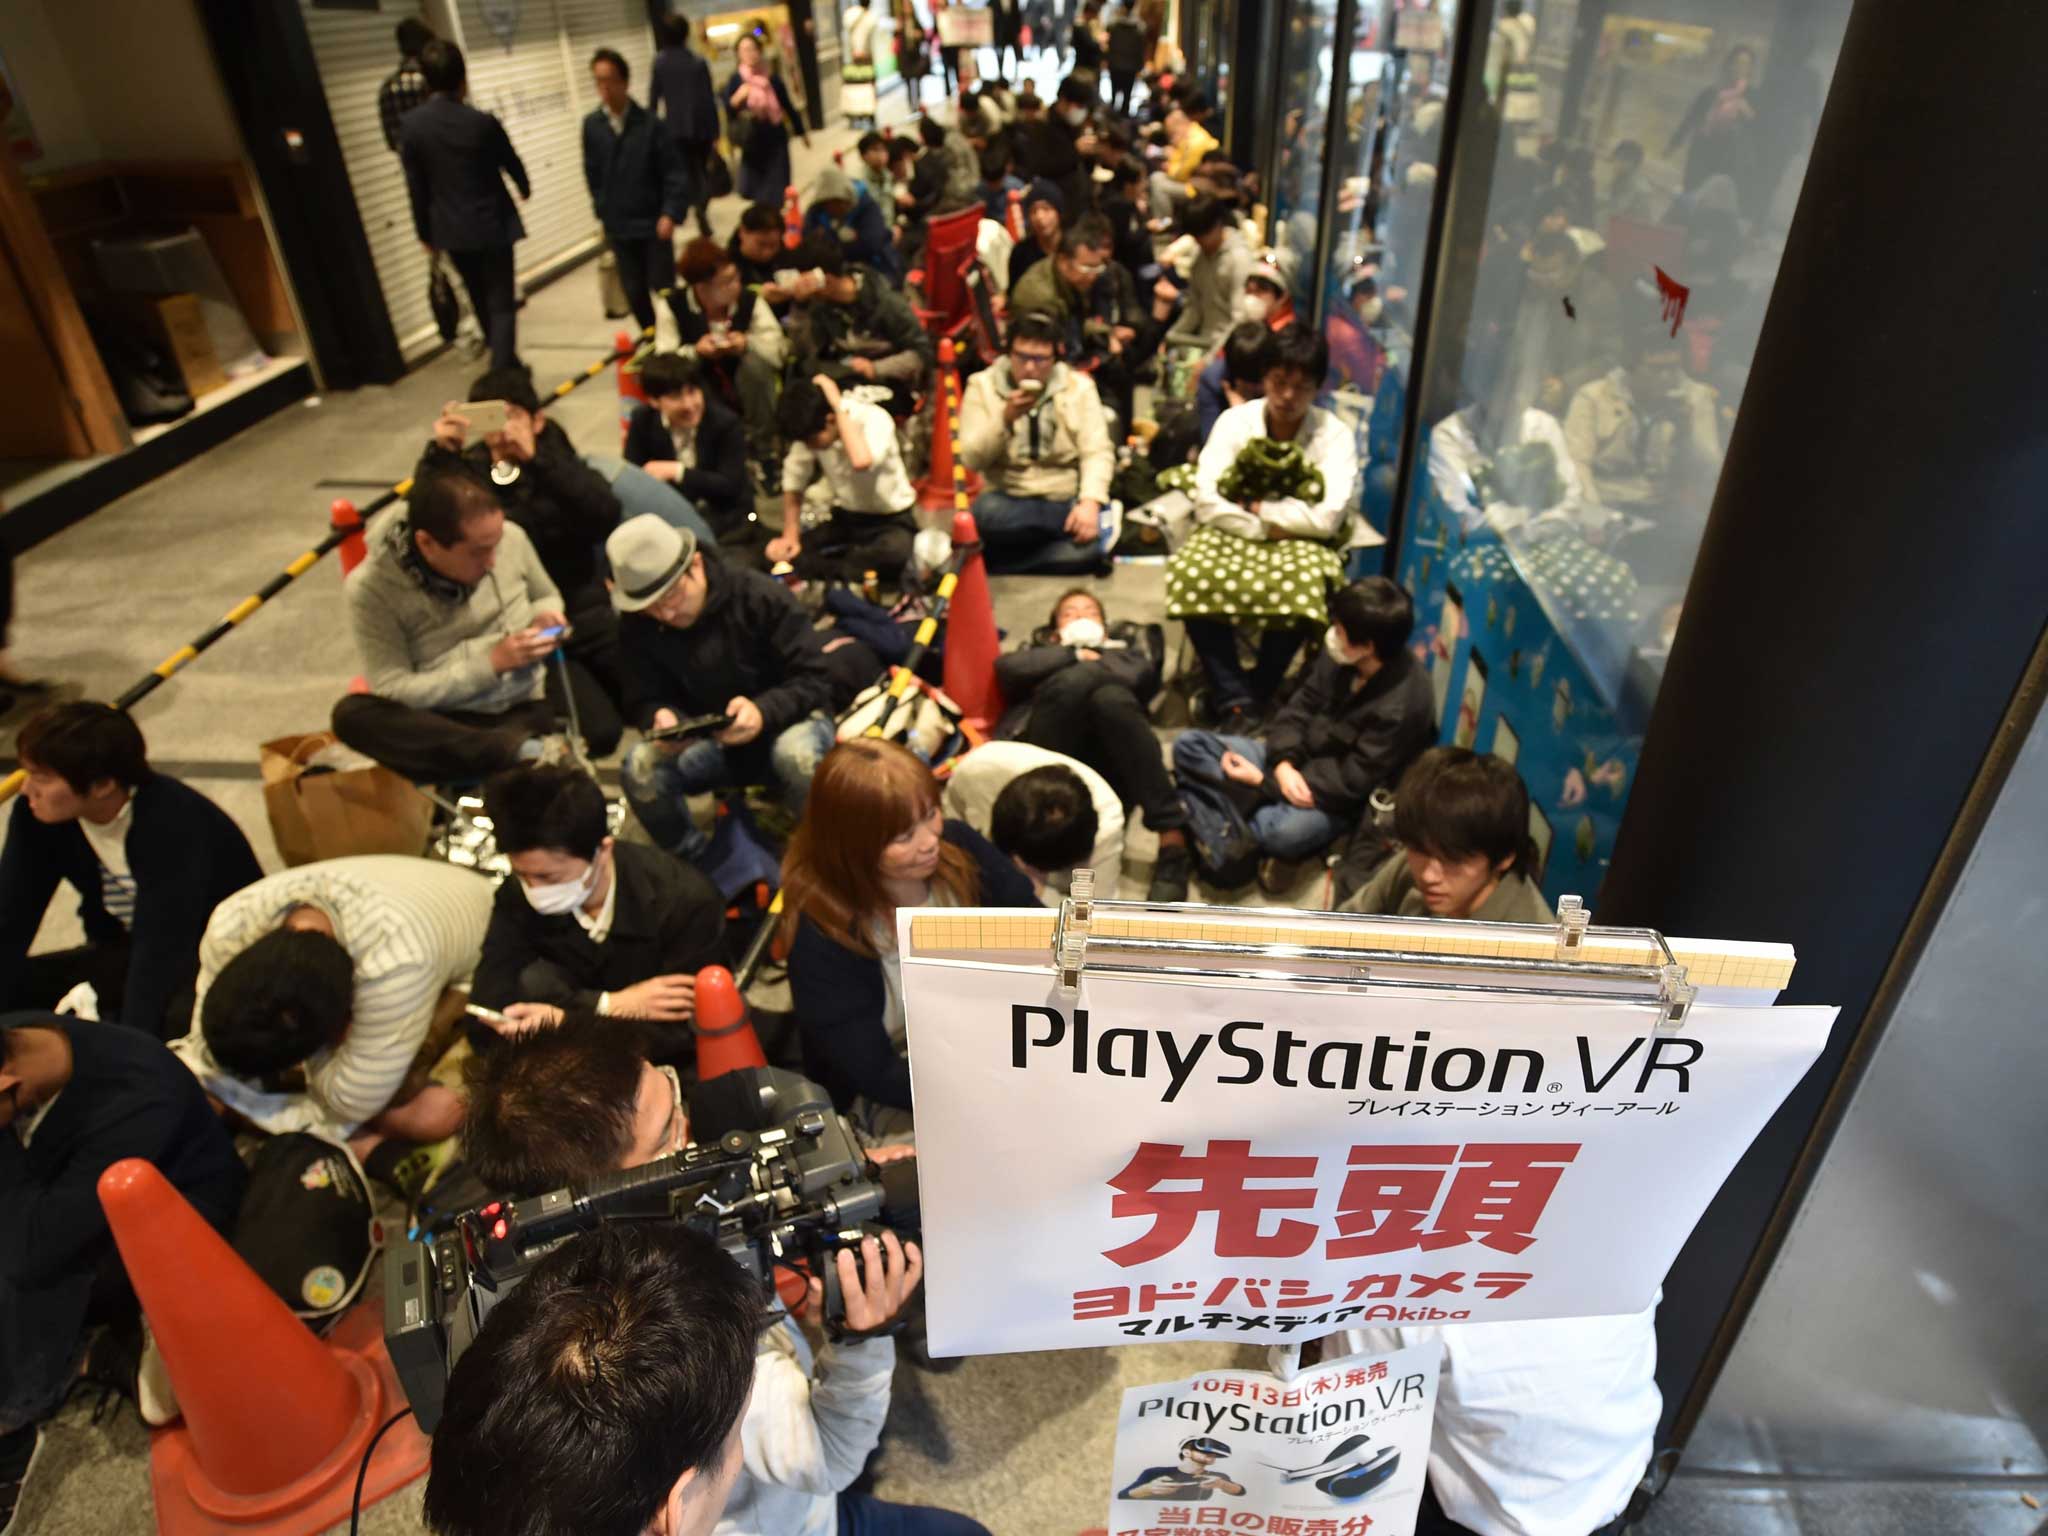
534,599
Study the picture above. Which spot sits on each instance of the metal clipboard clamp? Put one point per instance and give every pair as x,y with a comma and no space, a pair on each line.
1079,943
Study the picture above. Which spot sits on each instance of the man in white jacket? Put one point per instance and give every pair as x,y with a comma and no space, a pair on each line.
576,1100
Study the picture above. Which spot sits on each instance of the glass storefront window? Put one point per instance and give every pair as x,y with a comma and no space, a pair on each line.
1308,43
1622,186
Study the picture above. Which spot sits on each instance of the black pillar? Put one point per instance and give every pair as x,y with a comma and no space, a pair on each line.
1873,579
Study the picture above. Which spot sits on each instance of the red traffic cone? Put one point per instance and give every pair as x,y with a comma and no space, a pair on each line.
275,1420
1015,218
628,371
937,487
353,550
792,219
726,1040
971,640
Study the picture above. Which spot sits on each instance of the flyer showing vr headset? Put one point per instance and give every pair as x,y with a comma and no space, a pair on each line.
1340,1450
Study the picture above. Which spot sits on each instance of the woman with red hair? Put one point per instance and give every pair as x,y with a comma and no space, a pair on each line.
872,840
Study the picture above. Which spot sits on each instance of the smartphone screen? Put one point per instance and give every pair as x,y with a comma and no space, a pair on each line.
485,417
552,632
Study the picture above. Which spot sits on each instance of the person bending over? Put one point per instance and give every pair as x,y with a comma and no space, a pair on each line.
149,857
852,446
817,1408
852,326
587,921
873,839
1361,714
846,215
1275,487
707,638
1035,428
686,438
1050,814
454,618
323,998
1462,821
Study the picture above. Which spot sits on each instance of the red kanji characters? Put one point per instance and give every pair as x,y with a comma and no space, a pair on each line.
1223,1177
1501,1284
1498,1194
1377,1371
1396,1185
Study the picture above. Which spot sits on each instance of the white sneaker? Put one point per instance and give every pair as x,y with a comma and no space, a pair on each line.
154,1395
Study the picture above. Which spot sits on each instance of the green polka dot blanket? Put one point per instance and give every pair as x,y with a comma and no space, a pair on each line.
1279,581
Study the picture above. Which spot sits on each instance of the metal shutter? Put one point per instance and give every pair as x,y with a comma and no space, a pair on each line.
616,24
527,82
354,51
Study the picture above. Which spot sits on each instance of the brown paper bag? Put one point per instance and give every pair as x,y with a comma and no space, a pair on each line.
331,815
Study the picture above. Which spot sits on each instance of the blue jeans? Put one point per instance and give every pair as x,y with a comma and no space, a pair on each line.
1214,822
862,1514
1215,642
1027,536
658,779
639,492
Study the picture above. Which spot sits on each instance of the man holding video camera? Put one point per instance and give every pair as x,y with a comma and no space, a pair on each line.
817,1407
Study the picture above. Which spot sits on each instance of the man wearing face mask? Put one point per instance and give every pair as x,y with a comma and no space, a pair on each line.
1051,148
588,922
1361,713
1036,430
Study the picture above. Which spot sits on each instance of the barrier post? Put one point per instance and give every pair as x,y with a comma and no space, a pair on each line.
792,220
1015,216
342,515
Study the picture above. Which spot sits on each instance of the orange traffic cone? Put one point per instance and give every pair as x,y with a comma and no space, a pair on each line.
726,1040
628,370
792,219
971,640
353,550
275,1420
1015,218
947,479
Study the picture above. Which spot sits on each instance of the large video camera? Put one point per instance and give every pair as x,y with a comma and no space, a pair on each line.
792,1194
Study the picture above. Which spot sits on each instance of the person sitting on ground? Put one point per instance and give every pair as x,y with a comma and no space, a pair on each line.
1078,688
816,1410
343,968
454,619
706,638
1215,281
963,165
76,1097
685,438
920,177
1051,814
149,857
1036,431
1104,329
1235,375
1271,560
998,181
733,330
1120,204
1461,819
589,922
875,174
853,327
852,446
1045,212
757,250
1187,143
873,839
565,508
843,212
1047,146
1362,712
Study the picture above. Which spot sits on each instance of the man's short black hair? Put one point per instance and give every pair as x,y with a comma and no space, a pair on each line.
761,216
1248,352
1035,325
617,61
1045,817
413,35
1454,803
553,1108
439,504
1375,612
901,145
277,1002
873,139
1091,230
1195,102
1554,245
801,413
621,1363
442,67
1302,350
669,373
1078,91
931,131
1129,170
511,383
820,252
554,807
83,743
1203,213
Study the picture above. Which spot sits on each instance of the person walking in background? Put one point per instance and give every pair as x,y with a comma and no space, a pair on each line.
405,87
681,94
637,187
456,159
760,113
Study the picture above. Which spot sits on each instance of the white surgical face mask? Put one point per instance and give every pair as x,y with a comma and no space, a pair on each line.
567,896
1335,648
1087,634
1256,306
1075,116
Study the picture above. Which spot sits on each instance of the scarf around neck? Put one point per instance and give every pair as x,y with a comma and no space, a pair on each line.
760,94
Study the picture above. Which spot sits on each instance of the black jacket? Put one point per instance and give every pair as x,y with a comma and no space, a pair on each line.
841,999
1126,52
562,504
128,1097
1348,741
768,139
682,84
187,856
879,325
454,156
1045,150
752,640
1021,672
667,920
718,485
635,176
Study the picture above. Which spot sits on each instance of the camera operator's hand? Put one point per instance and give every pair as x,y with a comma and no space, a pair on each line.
877,1290
525,1018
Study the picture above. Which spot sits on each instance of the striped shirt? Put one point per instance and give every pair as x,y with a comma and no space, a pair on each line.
109,844
413,927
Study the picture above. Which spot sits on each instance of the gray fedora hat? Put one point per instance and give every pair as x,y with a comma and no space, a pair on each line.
648,556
